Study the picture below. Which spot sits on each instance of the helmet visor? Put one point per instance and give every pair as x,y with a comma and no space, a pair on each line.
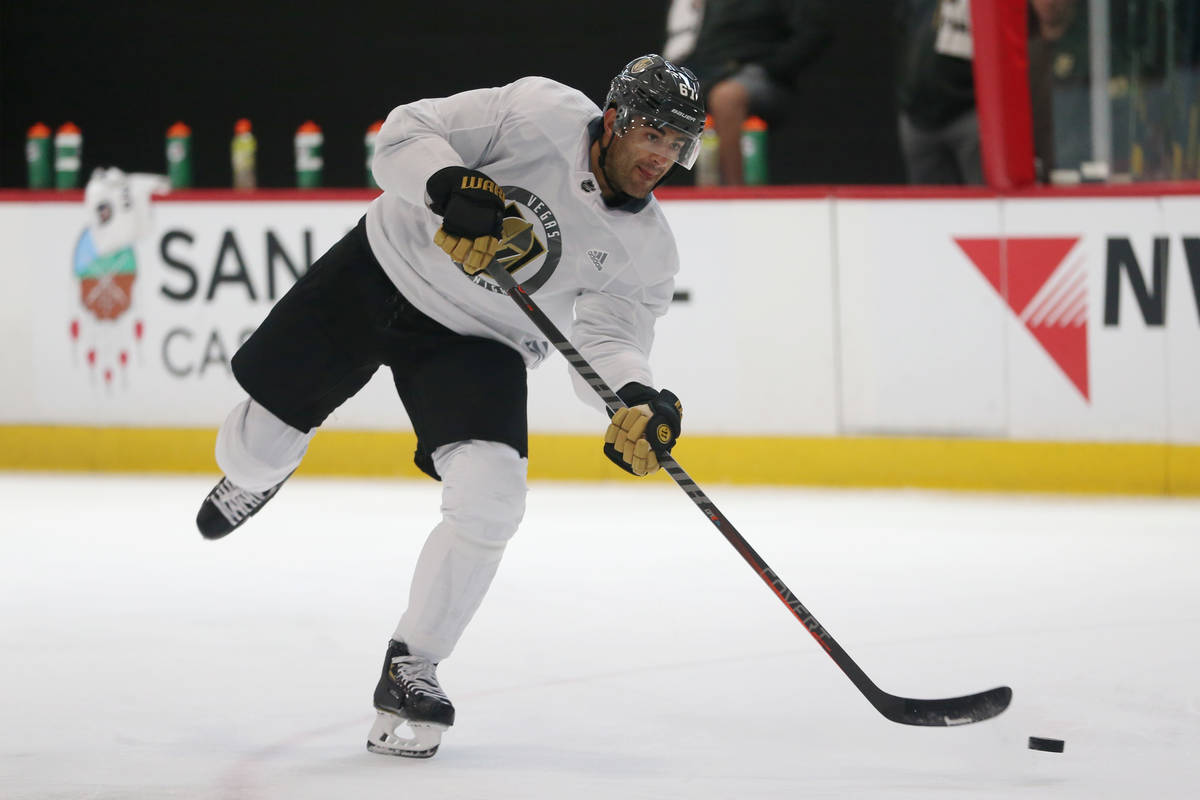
661,138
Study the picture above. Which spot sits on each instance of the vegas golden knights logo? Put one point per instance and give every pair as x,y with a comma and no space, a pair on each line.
530,241
519,244
640,65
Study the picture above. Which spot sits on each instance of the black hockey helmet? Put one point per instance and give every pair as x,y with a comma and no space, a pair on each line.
652,91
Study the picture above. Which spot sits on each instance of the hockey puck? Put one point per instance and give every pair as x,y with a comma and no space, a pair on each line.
1048,745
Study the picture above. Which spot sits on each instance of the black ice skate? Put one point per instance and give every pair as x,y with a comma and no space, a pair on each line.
408,694
228,506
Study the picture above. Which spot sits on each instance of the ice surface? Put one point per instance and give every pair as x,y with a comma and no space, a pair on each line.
625,651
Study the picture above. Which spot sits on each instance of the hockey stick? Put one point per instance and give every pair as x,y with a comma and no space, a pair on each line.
905,710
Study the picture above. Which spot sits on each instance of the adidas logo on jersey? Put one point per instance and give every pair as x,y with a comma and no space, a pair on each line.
598,258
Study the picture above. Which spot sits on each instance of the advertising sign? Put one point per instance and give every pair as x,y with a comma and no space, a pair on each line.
1060,319
142,335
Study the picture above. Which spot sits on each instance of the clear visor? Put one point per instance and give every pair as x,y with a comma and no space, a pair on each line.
662,139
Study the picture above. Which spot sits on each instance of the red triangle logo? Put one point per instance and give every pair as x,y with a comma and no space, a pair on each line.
1030,263
1067,345
985,255
1018,269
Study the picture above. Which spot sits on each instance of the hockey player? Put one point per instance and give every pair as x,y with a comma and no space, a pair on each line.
534,175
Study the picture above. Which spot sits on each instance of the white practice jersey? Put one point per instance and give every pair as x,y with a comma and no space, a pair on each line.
603,275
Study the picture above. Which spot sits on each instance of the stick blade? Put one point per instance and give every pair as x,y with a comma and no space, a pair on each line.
948,711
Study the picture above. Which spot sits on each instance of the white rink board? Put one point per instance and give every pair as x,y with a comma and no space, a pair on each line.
754,326
873,317
753,349
921,332
1182,215
719,349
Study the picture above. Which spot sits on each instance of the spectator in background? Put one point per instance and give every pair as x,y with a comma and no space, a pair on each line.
683,23
938,126
1049,21
747,55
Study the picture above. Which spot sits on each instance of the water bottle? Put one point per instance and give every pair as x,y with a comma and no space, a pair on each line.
243,151
68,151
37,156
369,141
179,156
708,171
754,152
308,155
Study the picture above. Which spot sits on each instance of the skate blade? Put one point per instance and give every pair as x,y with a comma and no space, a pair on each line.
388,737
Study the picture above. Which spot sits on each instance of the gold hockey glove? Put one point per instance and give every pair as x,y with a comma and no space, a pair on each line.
644,430
472,209
473,254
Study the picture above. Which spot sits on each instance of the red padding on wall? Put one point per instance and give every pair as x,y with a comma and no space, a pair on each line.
1001,67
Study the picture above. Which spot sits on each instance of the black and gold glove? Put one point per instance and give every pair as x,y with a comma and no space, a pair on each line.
647,428
472,209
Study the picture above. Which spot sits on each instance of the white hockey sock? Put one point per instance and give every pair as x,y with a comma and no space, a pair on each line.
483,501
256,449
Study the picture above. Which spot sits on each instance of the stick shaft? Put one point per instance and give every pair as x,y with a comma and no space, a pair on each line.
907,711
689,486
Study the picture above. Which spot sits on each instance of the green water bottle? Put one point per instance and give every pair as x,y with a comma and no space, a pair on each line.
369,141
179,156
37,156
308,155
68,152
754,152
